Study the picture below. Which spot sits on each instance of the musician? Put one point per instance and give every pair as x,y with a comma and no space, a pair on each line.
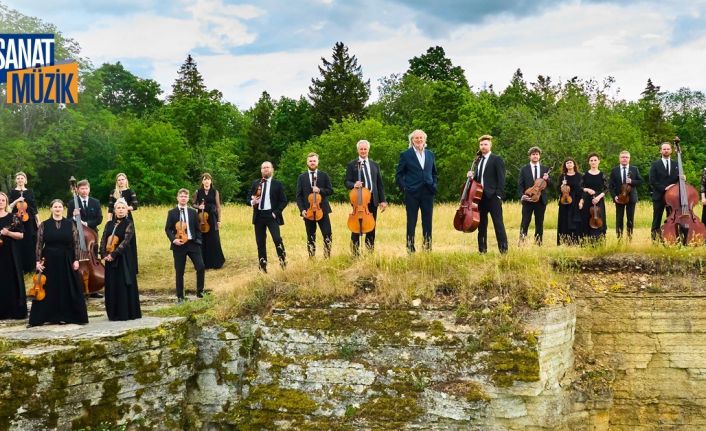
371,179
624,174
528,175
90,208
28,243
123,190
491,175
180,249
315,181
122,299
664,174
267,214
13,303
208,199
703,197
57,255
595,187
569,217
417,179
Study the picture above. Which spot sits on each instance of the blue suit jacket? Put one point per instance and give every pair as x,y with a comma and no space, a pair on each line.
411,177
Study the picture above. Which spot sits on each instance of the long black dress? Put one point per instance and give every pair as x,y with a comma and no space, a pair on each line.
57,244
569,222
29,241
599,184
211,243
131,199
13,303
122,300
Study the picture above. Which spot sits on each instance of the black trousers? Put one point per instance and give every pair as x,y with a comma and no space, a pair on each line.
620,211
369,237
421,199
494,206
658,208
325,227
528,209
264,221
180,252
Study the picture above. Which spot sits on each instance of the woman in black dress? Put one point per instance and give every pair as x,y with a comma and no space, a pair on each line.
122,190
13,303
595,187
208,199
27,245
569,223
122,300
57,256
703,197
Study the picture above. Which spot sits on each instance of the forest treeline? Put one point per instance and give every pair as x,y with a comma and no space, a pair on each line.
123,123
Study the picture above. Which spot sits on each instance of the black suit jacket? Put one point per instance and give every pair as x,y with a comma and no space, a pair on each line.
304,190
493,177
659,179
378,191
278,200
173,217
93,215
526,180
616,181
411,177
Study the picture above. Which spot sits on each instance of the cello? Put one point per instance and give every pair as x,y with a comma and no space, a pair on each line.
90,267
682,225
314,212
360,220
467,217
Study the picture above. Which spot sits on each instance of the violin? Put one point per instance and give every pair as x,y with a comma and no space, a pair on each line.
535,192
314,211
15,223
112,240
360,220
22,206
182,233
596,220
90,267
467,217
682,225
37,290
623,197
203,220
565,198
258,191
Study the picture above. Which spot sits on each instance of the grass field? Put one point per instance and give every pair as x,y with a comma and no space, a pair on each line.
454,255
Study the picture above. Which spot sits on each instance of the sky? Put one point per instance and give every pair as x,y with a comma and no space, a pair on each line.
243,48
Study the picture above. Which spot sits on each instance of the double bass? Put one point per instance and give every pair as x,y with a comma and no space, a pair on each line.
682,225
90,266
467,217
360,220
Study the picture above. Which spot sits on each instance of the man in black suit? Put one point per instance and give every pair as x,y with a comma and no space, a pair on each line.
528,175
664,173
267,207
491,175
89,208
371,179
417,179
624,174
191,247
315,181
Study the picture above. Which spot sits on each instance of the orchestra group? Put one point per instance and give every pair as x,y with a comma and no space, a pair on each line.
59,250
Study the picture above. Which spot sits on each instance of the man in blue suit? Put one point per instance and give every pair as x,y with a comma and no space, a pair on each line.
417,179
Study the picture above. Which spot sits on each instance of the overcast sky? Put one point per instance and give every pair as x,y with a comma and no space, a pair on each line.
243,48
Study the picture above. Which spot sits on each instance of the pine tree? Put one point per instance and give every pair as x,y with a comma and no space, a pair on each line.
340,92
435,66
654,124
189,83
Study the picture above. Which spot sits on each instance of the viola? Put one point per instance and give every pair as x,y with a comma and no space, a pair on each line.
314,211
565,198
258,191
623,197
181,231
535,192
113,240
37,290
682,225
360,220
90,267
467,217
596,220
203,220
22,206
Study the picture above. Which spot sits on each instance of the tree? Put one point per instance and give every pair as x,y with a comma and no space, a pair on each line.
435,66
189,83
120,91
291,122
258,138
340,92
654,125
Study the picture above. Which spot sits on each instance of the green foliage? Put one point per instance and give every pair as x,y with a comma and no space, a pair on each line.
435,66
122,92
